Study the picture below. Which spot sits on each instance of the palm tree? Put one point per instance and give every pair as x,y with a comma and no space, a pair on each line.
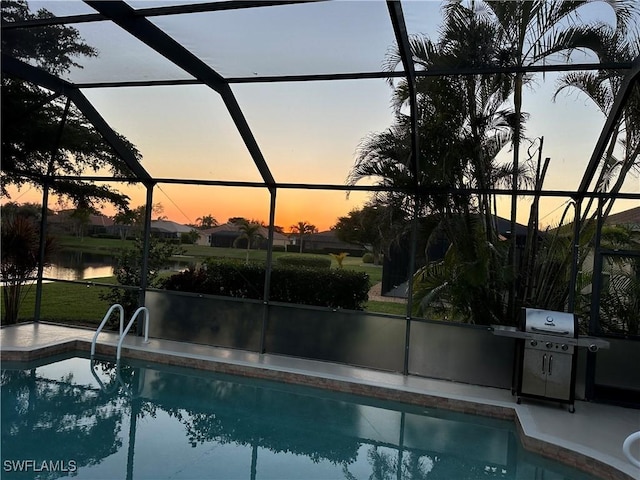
301,229
462,119
206,221
463,124
611,45
249,232
462,127
531,31
619,300
515,33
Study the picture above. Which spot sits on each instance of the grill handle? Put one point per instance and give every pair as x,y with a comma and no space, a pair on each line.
544,330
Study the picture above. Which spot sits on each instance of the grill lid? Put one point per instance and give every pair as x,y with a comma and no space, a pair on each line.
549,322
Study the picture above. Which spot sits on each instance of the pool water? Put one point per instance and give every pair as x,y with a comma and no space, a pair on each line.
145,421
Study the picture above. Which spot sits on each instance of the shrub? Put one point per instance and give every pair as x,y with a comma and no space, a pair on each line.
189,238
128,271
336,288
367,258
302,261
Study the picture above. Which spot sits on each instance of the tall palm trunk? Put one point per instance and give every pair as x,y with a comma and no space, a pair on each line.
517,101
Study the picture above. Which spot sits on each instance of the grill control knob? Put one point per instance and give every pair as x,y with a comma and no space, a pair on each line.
548,344
533,343
564,347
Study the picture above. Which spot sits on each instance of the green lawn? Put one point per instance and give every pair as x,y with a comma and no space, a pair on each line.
391,308
106,246
69,303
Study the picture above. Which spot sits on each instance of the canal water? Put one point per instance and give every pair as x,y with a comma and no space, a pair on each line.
69,265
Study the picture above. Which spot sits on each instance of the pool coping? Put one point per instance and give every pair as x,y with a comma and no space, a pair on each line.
273,367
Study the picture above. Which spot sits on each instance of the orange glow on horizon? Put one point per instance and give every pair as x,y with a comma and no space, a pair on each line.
319,208
184,204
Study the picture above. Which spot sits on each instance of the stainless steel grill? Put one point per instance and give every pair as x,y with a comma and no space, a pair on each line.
548,361
547,322
545,355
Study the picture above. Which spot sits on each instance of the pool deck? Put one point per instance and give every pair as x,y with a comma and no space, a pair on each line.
590,439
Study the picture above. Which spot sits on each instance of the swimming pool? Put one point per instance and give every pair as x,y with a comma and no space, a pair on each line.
145,421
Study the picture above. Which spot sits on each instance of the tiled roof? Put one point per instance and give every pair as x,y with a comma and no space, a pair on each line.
169,226
628,217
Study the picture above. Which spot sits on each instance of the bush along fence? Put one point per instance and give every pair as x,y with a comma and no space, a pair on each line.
333,288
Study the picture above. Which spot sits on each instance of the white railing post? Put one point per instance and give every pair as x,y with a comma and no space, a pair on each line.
103,323
123,333
126,330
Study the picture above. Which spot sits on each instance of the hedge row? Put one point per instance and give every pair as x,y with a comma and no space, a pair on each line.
337,288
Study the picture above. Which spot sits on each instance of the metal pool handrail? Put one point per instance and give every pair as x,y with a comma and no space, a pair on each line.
626,448
104,321
126,330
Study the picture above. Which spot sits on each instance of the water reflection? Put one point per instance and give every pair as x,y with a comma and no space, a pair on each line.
55,420
187,424
70,265
74,265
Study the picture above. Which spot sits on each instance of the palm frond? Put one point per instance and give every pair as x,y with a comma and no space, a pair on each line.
592,84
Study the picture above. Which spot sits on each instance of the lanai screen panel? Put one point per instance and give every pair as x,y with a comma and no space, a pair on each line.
186,204
320,208
310,132
298,39
121,57
61,9
182,131
253,48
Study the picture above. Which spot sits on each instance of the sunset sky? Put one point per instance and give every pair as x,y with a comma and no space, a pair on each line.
308,132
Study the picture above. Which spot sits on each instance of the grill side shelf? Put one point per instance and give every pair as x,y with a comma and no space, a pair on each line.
592,343
541,337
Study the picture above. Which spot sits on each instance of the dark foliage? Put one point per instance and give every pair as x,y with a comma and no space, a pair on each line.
337,288
31,117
